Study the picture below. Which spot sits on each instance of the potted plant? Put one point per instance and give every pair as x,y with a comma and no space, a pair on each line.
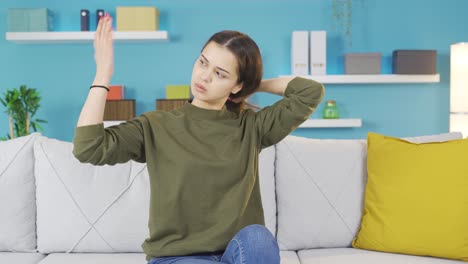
21,106
342,11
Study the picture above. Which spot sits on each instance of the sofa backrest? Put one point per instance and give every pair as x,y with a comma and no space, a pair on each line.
320,187
86,208
17,195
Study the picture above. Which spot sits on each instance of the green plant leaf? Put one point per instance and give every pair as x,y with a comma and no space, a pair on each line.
20,103
40,127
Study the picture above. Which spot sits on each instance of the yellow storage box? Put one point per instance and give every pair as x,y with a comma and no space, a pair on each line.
177,91
137,18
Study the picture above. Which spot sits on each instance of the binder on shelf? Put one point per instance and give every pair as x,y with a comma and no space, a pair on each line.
84,13
116,92
119,109
300,53
318,52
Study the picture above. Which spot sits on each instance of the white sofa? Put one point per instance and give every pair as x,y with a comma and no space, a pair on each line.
55,210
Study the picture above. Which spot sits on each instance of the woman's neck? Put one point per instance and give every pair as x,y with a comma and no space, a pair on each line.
206,105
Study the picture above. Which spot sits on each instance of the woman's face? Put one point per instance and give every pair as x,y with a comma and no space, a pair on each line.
214,76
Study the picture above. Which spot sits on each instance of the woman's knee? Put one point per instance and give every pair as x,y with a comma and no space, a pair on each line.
257,235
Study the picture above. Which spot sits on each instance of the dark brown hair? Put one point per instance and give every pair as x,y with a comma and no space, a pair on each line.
249,62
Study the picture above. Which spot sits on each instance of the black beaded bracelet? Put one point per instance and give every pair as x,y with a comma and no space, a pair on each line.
100,86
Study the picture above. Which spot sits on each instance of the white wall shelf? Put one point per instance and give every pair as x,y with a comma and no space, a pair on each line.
375,78
331,123
83,37
108,123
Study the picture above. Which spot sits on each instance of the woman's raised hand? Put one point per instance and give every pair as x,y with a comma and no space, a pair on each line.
104,51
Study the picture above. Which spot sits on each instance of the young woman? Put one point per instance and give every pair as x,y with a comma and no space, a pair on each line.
202,158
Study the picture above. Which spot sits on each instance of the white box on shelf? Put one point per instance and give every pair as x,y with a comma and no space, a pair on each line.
318,52
300,53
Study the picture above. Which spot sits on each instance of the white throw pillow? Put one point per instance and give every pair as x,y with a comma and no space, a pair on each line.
17,195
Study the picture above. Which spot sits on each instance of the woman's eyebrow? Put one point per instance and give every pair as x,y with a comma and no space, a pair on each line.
216,67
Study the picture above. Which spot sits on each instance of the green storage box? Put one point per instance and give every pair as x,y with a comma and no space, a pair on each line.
29,20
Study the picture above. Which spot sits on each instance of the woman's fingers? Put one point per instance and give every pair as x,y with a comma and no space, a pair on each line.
107,29
98,34
103,38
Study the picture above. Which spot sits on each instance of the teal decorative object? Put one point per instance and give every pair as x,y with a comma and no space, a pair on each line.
331,110
29,20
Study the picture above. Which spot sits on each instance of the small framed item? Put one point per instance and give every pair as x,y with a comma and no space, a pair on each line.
84,13
99,14
363,63
414,62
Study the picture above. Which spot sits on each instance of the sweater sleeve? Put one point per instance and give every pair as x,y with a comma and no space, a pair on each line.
116,144
301,97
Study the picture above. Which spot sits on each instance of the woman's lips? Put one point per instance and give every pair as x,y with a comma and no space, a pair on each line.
200,88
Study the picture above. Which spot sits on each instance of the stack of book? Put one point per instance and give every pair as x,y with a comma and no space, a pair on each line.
118,109
176,96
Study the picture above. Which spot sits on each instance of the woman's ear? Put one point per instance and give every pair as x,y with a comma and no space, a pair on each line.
237,88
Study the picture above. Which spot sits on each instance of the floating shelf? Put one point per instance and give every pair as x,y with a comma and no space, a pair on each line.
331,123
375,78
108,123
83,37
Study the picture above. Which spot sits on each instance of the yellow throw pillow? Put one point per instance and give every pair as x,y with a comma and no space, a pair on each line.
416,198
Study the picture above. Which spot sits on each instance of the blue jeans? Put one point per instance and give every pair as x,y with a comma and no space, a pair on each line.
253,244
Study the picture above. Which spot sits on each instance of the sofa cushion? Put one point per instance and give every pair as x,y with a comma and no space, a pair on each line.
289,257
87,208
17,195
359,256
420,190
267,186
90,258
20,258
320,186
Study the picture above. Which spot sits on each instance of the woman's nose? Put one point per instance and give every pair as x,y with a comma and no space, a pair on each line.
205,75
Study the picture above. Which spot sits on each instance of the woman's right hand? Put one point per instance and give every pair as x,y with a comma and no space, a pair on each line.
104,51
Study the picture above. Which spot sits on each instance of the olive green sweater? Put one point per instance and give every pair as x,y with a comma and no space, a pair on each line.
202,164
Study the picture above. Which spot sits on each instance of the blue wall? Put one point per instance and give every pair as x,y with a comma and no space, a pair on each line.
63,73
